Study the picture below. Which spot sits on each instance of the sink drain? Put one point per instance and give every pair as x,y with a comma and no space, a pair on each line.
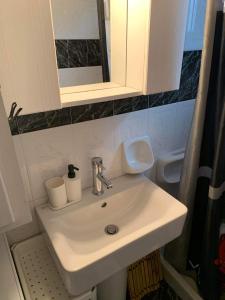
111,229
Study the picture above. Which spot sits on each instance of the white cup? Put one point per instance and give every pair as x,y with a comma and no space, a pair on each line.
56,190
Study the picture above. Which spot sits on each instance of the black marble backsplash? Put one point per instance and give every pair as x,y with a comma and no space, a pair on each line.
78,53
77,114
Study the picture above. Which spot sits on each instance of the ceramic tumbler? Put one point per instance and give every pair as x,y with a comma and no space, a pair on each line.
56,190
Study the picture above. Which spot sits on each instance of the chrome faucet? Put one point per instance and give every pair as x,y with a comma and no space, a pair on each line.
98,178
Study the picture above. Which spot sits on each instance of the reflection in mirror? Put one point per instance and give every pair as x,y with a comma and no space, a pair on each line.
82,39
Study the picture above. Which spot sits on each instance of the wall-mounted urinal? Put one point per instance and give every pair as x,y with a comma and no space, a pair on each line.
138,155
169,168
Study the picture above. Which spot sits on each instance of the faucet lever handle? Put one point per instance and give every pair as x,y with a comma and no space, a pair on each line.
96,161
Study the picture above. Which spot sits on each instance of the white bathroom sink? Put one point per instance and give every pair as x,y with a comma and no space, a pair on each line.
147,218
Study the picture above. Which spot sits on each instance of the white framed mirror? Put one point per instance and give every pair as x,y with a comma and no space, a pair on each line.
91,47
82,40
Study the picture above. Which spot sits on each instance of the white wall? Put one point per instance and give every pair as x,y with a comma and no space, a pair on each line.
46,153
75,19
195,25
79,76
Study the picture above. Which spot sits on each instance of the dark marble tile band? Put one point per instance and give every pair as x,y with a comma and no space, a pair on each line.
78,53
62,53
44,120
82,113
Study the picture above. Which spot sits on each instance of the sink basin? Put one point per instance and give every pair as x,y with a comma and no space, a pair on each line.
146,216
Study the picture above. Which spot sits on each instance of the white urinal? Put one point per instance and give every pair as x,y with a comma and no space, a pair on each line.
138,155
169,167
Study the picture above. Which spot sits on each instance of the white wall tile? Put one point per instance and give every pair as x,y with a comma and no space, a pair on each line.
169,125
94,138
47,154
44,154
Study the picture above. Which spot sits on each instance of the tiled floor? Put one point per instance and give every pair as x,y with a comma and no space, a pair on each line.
165,292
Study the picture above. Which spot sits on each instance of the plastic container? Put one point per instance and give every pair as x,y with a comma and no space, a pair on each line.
56,190
138,155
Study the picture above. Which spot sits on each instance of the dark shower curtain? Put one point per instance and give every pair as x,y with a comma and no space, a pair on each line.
210,199
196,251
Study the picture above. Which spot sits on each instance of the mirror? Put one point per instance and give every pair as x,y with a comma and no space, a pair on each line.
82,40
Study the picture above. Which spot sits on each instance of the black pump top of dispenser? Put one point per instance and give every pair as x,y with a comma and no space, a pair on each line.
72,171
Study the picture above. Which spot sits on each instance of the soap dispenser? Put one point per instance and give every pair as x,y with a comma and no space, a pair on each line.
73,184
